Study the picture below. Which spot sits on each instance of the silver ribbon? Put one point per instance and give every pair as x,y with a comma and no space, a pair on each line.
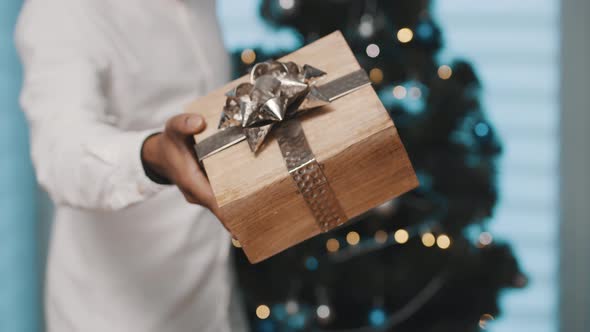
276,94
309,176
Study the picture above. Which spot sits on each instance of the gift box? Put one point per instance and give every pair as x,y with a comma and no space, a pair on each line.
303,145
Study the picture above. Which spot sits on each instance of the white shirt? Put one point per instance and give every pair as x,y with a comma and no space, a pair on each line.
100,76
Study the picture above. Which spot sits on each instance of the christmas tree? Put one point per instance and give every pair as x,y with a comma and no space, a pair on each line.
425,261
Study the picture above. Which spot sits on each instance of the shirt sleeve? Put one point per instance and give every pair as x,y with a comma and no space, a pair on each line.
80,159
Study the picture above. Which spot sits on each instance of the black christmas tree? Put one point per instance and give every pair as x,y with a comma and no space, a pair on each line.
413,264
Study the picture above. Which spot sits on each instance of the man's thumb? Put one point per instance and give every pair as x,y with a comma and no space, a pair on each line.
186,124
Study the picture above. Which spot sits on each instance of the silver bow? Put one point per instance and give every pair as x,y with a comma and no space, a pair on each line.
276,91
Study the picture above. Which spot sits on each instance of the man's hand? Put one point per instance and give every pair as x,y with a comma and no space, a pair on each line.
170,154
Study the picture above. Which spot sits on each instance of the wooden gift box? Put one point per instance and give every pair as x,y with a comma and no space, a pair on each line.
353,139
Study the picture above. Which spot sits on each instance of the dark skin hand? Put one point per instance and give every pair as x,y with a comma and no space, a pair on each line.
171,155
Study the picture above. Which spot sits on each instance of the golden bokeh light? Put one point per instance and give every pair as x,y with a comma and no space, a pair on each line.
405,35
381,236
399,92
428,239
248,56
236,243
445,72
262,311
376,75
443,241
353,238
401,236
332,245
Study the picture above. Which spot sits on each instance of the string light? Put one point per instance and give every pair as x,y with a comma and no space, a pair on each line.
405,35
445,72
376,75
323,311
380,236
401,236
287,4
292,307
443,241
428,239
484,320
485,239
481,129
367,26
373,50
424,30
415,92
399,92
248,56
377,317
262,311
332,245
311,263
236,243
353,238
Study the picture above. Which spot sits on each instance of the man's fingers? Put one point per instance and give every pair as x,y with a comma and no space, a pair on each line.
197,190
186,124
188,176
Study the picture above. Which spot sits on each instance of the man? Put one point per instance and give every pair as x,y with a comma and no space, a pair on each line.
101,78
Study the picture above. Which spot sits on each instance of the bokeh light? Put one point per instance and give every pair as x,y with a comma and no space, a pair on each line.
292,307
481,129
287,4
367,26
376,75
377,317
485,238
415,92
399,92
381,236
248,56
332,245
323,311
311,263
401,236
443,241
373,50
428,240
262,311
445,72
353,238
405,35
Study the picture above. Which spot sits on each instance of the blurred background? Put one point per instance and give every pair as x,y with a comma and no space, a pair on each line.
490,100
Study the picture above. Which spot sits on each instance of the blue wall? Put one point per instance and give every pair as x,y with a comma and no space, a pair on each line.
19,259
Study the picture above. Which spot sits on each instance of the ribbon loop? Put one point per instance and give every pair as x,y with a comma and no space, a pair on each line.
274,87
277,91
